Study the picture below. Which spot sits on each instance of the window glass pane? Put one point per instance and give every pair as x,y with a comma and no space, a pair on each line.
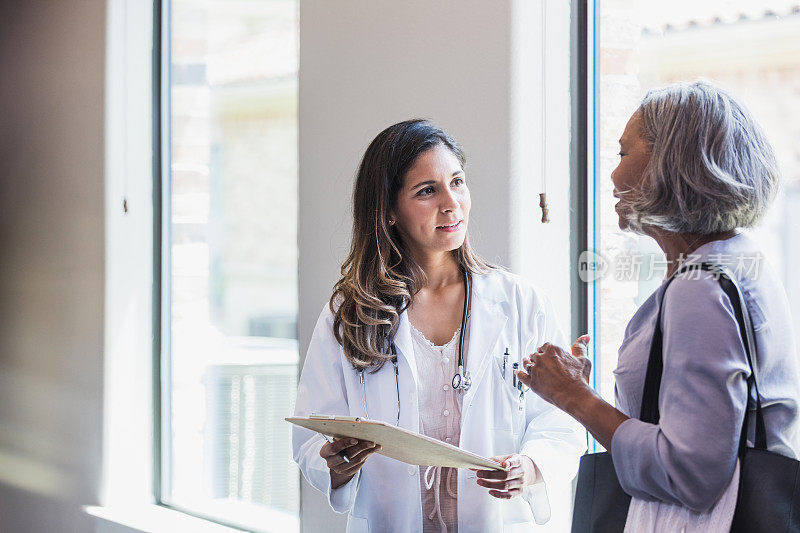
748,48
231,256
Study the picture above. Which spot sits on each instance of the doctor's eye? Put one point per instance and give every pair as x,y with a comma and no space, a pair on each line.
458,181
425,191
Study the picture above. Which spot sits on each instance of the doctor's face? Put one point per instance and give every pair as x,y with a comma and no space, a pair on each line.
634,155
432,208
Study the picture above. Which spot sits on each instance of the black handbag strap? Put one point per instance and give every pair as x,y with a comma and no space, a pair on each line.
655,366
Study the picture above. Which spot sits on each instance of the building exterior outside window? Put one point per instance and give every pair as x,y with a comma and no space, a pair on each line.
230,261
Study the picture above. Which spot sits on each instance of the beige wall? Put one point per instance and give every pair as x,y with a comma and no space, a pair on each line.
51,262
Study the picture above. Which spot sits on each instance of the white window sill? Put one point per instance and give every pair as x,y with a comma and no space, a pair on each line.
150,519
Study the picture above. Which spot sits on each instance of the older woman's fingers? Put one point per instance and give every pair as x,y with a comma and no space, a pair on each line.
543,348
524,377
580,348
528,362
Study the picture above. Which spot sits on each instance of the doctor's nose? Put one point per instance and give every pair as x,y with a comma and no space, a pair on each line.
449,203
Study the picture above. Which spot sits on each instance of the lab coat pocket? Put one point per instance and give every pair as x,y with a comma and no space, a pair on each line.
504,442
508,409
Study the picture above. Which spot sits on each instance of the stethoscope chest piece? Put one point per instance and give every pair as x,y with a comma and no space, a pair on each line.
462,380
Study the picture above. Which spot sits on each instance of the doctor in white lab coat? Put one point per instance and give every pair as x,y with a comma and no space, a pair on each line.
416,279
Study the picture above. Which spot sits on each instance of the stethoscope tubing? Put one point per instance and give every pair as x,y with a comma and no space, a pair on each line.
464,316
462,381
396,383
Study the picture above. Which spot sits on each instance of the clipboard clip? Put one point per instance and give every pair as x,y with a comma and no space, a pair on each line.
334,417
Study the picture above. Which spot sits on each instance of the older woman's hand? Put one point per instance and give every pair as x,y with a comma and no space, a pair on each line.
556,375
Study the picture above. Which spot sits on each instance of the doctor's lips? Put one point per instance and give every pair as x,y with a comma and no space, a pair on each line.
450,228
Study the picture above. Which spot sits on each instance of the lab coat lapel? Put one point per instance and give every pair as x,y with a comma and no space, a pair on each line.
405,347
407,366
486,323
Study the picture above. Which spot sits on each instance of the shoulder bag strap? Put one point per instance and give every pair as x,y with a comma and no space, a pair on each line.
655,365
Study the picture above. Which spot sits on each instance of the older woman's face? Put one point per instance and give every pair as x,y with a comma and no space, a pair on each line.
432,209
634,154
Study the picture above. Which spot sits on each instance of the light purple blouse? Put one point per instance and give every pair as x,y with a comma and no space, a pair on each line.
689,457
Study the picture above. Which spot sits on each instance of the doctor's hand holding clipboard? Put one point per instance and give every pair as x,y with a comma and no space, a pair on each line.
422,334
345,457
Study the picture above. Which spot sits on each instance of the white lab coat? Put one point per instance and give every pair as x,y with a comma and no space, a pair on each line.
506,311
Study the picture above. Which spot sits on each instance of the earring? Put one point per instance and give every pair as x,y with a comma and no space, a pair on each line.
391,222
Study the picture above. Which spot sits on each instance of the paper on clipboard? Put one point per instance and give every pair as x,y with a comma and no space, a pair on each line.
396,442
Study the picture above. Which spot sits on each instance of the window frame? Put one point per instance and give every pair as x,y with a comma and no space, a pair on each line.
585,193
161,109
581,176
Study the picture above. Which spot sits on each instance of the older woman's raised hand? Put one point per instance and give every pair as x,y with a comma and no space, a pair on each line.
555,374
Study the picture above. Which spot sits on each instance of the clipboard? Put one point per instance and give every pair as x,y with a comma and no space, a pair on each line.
396,442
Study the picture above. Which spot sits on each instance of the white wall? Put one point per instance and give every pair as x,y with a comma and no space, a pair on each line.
465,64
51,262
366,65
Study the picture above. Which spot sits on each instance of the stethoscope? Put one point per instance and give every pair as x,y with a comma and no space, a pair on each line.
461,380
396,383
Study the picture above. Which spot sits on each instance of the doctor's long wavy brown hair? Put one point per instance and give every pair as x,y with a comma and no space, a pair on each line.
379,279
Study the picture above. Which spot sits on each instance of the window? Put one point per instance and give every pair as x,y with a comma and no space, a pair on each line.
748,48
229,261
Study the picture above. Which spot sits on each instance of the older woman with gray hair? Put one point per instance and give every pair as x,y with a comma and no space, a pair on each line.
694,168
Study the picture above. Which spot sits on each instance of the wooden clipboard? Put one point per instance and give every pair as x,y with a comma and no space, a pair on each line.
396,442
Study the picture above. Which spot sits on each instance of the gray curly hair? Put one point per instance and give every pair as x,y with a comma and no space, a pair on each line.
711,168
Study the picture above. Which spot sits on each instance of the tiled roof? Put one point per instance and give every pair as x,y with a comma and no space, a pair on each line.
679,15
